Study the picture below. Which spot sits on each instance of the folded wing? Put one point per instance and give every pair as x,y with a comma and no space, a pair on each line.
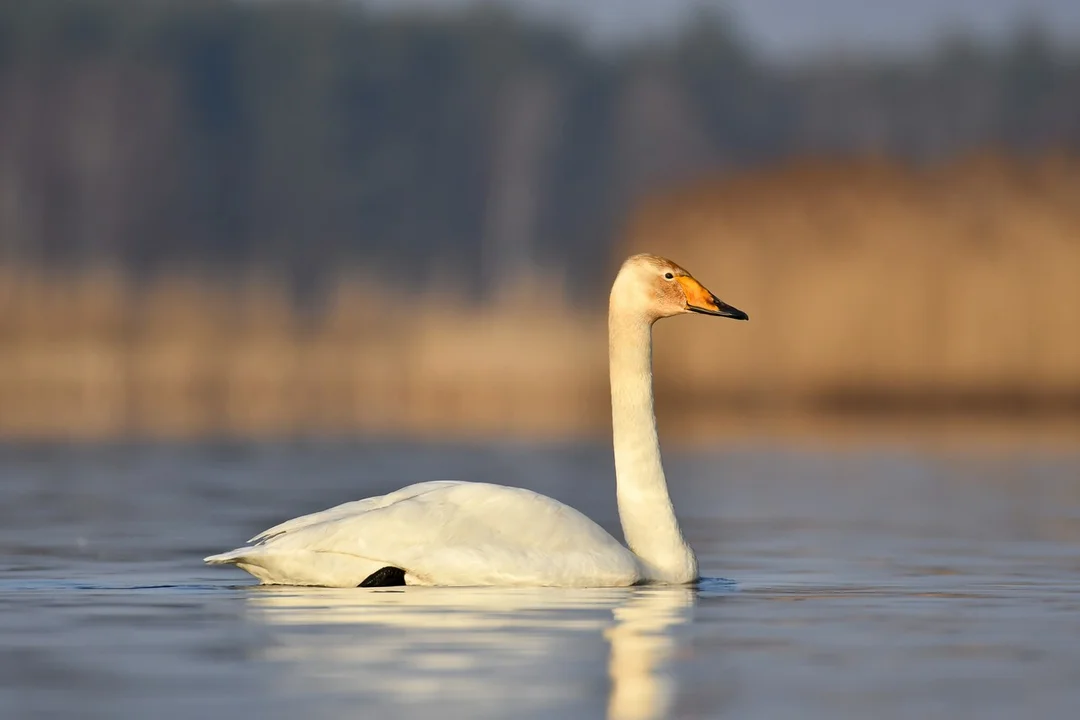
447,533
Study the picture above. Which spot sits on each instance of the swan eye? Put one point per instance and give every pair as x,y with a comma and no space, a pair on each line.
669,276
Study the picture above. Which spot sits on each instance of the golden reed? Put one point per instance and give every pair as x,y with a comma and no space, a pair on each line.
872,288
875,287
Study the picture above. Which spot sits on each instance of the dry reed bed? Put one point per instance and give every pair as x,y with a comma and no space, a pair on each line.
871,279
92,357
863,280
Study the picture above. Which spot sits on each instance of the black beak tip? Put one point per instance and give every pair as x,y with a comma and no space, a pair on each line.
722,310
730,312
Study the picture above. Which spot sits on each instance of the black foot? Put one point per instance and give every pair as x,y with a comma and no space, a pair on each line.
386,577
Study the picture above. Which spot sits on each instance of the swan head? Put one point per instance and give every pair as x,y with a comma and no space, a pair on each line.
655,288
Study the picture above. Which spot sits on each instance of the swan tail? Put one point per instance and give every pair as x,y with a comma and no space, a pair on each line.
228,558
309,567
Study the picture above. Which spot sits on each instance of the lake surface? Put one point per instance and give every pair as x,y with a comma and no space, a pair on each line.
872,583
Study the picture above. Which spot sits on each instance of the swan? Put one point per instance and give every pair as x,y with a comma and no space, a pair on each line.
451,533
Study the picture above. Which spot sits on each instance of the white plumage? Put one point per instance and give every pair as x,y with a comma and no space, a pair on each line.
461,533
441,533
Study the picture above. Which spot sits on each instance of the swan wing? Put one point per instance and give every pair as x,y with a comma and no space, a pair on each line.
349,509
451,534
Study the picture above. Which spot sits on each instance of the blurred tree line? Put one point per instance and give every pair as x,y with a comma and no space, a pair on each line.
310,137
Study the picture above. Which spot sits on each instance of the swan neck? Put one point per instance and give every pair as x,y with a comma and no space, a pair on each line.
648,518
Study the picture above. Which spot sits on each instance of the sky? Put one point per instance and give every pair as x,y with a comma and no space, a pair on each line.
786,29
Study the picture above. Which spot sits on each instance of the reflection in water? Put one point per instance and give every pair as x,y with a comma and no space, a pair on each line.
489,647
641,649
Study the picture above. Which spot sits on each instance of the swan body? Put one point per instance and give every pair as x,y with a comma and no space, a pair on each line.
442,533
463,533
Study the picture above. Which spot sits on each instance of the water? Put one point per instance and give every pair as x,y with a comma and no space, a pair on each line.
880,583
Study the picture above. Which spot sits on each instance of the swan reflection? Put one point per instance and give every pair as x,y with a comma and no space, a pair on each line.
489,651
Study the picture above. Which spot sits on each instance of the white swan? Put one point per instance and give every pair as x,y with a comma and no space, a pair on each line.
462,533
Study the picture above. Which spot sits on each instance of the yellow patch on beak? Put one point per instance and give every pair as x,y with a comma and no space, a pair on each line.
698,299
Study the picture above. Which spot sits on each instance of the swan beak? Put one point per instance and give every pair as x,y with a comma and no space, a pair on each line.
700,300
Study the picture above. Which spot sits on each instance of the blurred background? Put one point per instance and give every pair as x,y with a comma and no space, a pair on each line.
261,257
268,219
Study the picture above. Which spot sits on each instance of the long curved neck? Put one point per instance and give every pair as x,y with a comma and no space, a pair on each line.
645,509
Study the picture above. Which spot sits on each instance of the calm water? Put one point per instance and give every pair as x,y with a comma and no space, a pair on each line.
878,583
